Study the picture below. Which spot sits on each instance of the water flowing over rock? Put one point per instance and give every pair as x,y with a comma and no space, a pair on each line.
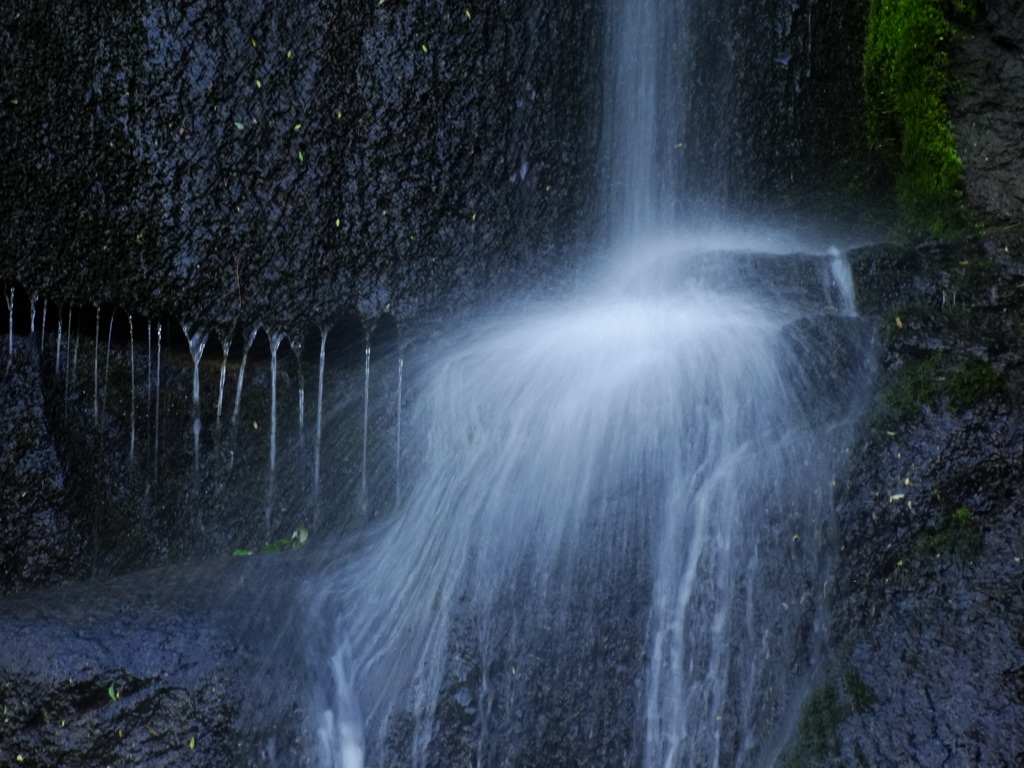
597,473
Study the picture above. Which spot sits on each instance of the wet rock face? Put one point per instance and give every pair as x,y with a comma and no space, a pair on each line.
987,66
928,612
274,162
39,539
162,669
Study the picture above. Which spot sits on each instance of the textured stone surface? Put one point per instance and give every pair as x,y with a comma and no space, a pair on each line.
165,668
987,109
39,540
928,606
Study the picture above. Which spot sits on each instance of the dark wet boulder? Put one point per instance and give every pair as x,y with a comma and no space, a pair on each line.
196,667
927,602
40,542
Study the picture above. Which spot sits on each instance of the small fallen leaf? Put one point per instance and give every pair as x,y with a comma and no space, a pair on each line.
258,83
906,481
899,323
424,47
469,15
301,157
896,497
192,743
240,126
337,222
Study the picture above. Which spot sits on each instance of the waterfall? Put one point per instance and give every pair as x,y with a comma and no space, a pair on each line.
610,543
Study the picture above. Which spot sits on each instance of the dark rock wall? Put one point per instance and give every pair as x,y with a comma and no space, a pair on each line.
39,539
927,600
987,110
273,163
776,119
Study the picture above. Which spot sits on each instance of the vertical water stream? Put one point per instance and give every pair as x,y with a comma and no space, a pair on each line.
609,549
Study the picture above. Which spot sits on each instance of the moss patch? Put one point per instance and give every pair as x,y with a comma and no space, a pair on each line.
906,82
971,383
959,535
818,731
961,382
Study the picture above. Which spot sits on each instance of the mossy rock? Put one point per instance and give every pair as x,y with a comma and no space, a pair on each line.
906,83
960,383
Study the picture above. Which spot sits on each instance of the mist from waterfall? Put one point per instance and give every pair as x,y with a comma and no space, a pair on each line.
615,505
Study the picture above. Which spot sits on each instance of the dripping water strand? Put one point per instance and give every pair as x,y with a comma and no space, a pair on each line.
96,370
131,366
250,337
364,499
297,350
225,345
60,338
42,330
319,424
32,315
275,343
106,368
196,345
10,328
398,432
69,369
149,371
156,414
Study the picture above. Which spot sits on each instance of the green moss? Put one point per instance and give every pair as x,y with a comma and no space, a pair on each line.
914,385
818,730
962,382
861,694
906,82
959,535
971,383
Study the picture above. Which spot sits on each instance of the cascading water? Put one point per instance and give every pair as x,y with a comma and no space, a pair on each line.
609,545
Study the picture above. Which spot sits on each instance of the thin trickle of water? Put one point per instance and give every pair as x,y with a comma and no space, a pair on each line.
225,345
248,339
364,496
32,314
131,366
106,367
196,345
96,370
297,350
398,431
69,368
275,343
10,327
42,329
156,411
60,336
319,422
149,371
